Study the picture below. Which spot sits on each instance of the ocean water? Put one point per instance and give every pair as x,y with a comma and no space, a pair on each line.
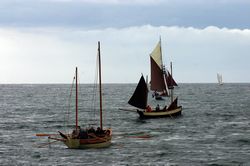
214,128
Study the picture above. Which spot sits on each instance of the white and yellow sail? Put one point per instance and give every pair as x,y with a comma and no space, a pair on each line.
157,55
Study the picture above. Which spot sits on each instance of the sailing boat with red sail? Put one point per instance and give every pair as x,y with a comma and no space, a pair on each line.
162,83
87,138
161,80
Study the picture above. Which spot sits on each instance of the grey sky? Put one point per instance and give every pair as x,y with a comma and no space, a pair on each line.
42,41
113,13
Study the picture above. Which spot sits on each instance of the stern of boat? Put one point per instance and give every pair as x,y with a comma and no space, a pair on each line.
140,113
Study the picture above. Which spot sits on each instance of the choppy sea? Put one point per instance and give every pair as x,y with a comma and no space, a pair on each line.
214,128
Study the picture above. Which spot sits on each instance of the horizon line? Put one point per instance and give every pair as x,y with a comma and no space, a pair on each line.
54,83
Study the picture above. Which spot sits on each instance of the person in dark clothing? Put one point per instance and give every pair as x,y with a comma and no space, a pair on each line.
83,134
157,108
99,131
91,130
76,132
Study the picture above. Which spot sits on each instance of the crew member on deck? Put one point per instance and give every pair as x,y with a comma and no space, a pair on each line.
75,133
157,108
155,94
148,109
99,131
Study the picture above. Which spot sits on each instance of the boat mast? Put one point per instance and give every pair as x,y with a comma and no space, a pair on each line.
100,84
161,54
172,86
163,71
76,100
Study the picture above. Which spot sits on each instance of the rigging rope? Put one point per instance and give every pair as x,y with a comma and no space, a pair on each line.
79,97
66,121
94,94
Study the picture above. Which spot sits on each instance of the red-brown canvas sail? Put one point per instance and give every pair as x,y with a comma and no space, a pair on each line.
158,80
170,81
157,77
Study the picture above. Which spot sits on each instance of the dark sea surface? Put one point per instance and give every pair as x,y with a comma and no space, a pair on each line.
214,128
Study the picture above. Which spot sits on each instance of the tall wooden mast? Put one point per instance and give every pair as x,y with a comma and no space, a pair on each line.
172,86
100,83
76,100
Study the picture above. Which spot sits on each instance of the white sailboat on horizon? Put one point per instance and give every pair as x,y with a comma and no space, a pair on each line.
219,78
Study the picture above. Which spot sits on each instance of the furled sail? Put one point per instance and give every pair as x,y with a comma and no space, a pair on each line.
140,97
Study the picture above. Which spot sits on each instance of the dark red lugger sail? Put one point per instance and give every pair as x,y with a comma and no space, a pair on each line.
157,78
170,81
161,80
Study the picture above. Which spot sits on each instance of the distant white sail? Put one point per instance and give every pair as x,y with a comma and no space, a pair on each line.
219,78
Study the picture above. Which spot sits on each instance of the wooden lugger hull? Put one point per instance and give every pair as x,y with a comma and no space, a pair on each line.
158,114
98,142
93,142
